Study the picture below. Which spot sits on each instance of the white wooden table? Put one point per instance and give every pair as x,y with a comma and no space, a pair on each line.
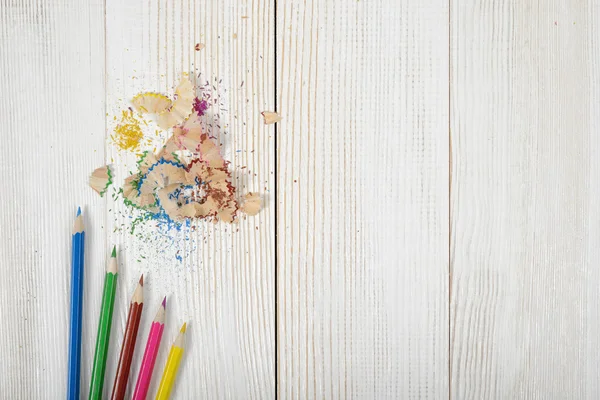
432,219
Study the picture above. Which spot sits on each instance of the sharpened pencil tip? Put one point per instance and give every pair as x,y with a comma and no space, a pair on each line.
114,252
141,281
183,327
164,302
78,224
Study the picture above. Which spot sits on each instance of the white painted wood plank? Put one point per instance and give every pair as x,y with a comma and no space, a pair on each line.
592,283
524,200
52,113
225,283
363,167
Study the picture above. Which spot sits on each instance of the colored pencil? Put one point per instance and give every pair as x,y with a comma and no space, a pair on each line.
170,372
152,345
131,329
102,339
78,251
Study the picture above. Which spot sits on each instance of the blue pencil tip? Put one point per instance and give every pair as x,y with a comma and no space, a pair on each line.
78,211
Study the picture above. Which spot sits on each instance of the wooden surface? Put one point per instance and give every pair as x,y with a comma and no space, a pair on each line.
53,114
362,218
225,283
431,220
525,200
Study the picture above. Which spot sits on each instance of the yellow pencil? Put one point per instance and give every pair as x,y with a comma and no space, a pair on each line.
170,372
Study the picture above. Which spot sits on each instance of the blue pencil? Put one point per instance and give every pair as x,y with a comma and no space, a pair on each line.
76,307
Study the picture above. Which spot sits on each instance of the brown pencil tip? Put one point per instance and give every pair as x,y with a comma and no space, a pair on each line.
141,281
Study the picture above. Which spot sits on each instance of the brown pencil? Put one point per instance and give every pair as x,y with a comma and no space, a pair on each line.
131,329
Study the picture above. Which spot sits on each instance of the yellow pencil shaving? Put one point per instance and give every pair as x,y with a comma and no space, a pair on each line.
151,102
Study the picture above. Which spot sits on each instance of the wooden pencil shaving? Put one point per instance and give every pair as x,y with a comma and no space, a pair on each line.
146,161
188,135
210,152
169,151
182,105
227,213
201,189
130,185
186,177
217,190
199,46
168,199
151,103
160,175
169,112
251,205
101,179
271,117
134,199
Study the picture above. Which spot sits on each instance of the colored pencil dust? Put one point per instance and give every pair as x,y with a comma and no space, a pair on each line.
170,372
78,247
150,353
106,312
131,330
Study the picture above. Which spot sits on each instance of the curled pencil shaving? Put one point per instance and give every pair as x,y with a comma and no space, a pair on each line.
251,205
169,112
101,179
218,193
182,105
151,103
188,135
195,191
169,151
146,161
160,175
271,117
167,183
132,197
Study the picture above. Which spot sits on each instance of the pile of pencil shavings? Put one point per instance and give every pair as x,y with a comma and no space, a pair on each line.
188,178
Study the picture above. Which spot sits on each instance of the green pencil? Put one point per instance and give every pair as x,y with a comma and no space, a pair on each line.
108,301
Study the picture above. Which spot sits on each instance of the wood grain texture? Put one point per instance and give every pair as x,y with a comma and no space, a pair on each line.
524,200
224,286
383,101
591,286
52,113
363,168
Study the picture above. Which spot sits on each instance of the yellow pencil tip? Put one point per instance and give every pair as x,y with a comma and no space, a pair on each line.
183,327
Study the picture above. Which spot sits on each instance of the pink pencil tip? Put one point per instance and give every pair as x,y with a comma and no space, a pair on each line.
164,302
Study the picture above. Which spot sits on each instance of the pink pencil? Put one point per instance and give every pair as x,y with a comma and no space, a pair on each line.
152,345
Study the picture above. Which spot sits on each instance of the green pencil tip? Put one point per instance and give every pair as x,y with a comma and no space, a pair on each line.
114,252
